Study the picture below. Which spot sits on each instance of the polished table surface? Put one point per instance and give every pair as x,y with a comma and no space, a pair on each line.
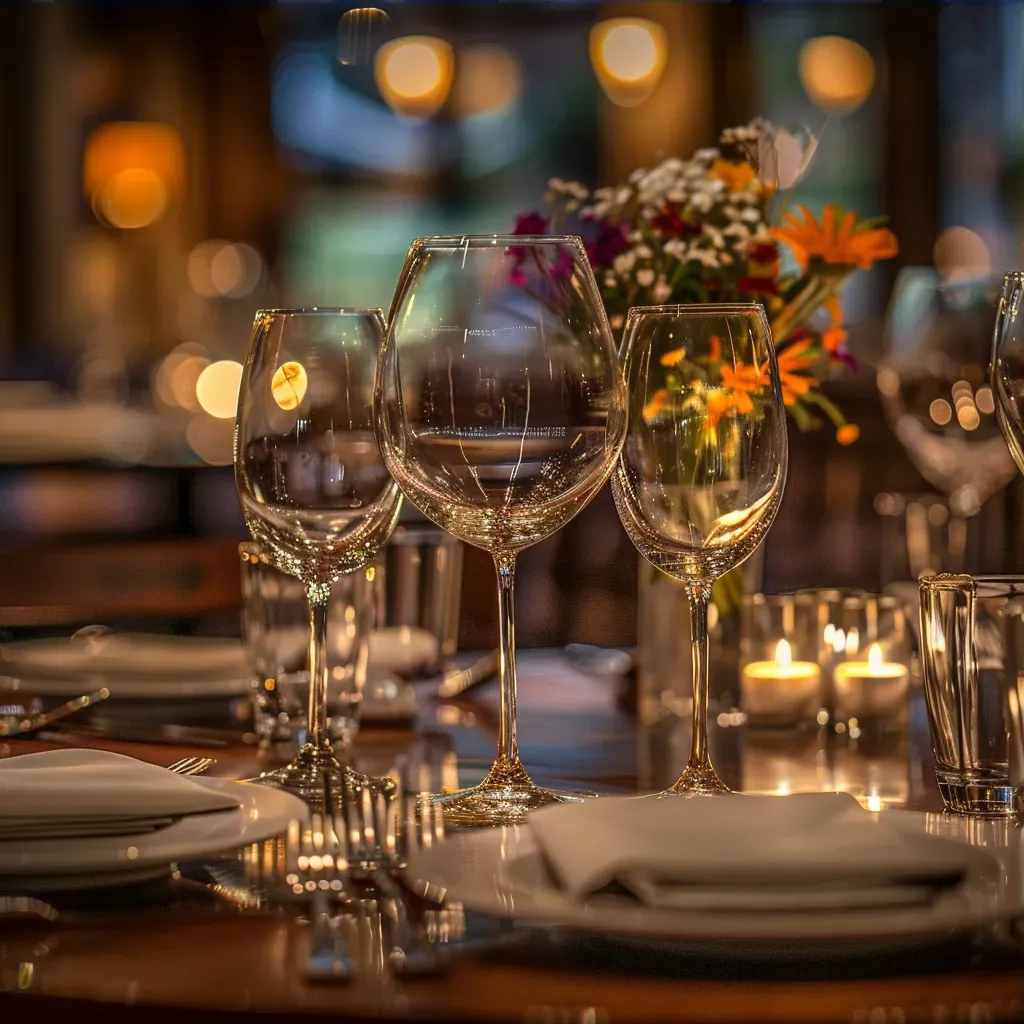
198,964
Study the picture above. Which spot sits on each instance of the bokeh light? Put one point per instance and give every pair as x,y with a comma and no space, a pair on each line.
488,80
218,268
628,56
961,255
133,198
940,411
131,170
414,74
174,381
837,74
289,385
211,439
217,388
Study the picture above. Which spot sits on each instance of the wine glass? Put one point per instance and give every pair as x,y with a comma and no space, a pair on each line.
1007,365
703,469
314,489
500,410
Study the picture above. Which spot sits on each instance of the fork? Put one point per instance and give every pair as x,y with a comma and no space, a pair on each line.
321,865
370,864
192,765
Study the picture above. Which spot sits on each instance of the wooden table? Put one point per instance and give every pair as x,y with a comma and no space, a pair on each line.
186,967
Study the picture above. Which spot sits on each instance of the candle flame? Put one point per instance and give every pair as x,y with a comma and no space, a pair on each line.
784,653
875,659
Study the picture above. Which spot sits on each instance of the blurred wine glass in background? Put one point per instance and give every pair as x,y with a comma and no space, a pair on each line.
934,386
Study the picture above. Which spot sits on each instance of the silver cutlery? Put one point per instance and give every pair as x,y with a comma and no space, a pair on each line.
481,671
192,765
12,726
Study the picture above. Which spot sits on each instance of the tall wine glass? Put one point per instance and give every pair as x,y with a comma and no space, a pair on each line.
1007,369
703,469
500,410
314,489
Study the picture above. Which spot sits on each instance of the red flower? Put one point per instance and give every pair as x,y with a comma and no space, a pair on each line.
763,252
672,224
532,223
610,241
761,285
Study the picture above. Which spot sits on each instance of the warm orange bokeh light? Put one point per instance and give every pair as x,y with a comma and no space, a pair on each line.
414,74
837,74
130,171
628,56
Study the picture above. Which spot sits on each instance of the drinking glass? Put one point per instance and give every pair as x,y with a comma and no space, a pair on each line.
703,469
500,410
314,489
972,660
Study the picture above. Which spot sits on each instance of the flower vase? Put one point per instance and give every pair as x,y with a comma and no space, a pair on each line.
664,676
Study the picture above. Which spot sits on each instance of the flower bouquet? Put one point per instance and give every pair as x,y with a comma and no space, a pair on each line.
719,227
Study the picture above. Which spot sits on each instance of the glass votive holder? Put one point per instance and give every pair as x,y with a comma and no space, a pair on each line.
864,653
780,679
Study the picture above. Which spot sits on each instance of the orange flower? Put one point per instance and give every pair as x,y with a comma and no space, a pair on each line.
743,381
834,308
832,338
656,405
718,402
834,241
673,358
714,349
848,433
738,177
791,360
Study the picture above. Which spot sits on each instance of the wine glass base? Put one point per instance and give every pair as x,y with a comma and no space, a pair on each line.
697,780
505,797
316,772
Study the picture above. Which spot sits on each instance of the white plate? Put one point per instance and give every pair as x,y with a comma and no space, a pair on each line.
263,812
129,665
500,872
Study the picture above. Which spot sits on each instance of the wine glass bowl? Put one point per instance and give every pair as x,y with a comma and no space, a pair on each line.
314,489
500,411
1007,366
703,468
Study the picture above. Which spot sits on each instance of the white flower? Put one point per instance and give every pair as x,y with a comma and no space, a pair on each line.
732,212
635,236
661,290
623,194
717,239
715,186
624,262
609,281
751,215
761,233
637,176
708,154
675,247
725,259
643,252
706,256
556,185
645,277
600,210
702,201
749,198
576,190
737,230
676,195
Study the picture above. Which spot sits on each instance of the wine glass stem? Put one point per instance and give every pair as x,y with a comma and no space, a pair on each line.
699,594
319,596
508,749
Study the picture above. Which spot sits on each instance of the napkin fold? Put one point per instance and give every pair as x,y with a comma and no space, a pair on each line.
62,794
808,852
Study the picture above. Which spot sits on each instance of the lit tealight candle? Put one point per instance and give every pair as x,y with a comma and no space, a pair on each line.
870,688
782,691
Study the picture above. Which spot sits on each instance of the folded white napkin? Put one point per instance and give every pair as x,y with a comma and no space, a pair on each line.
66,793
806,852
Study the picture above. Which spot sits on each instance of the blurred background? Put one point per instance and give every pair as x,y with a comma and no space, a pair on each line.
165,170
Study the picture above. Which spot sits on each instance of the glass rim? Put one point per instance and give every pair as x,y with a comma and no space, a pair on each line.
696,308
954,580
322,311
480,241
